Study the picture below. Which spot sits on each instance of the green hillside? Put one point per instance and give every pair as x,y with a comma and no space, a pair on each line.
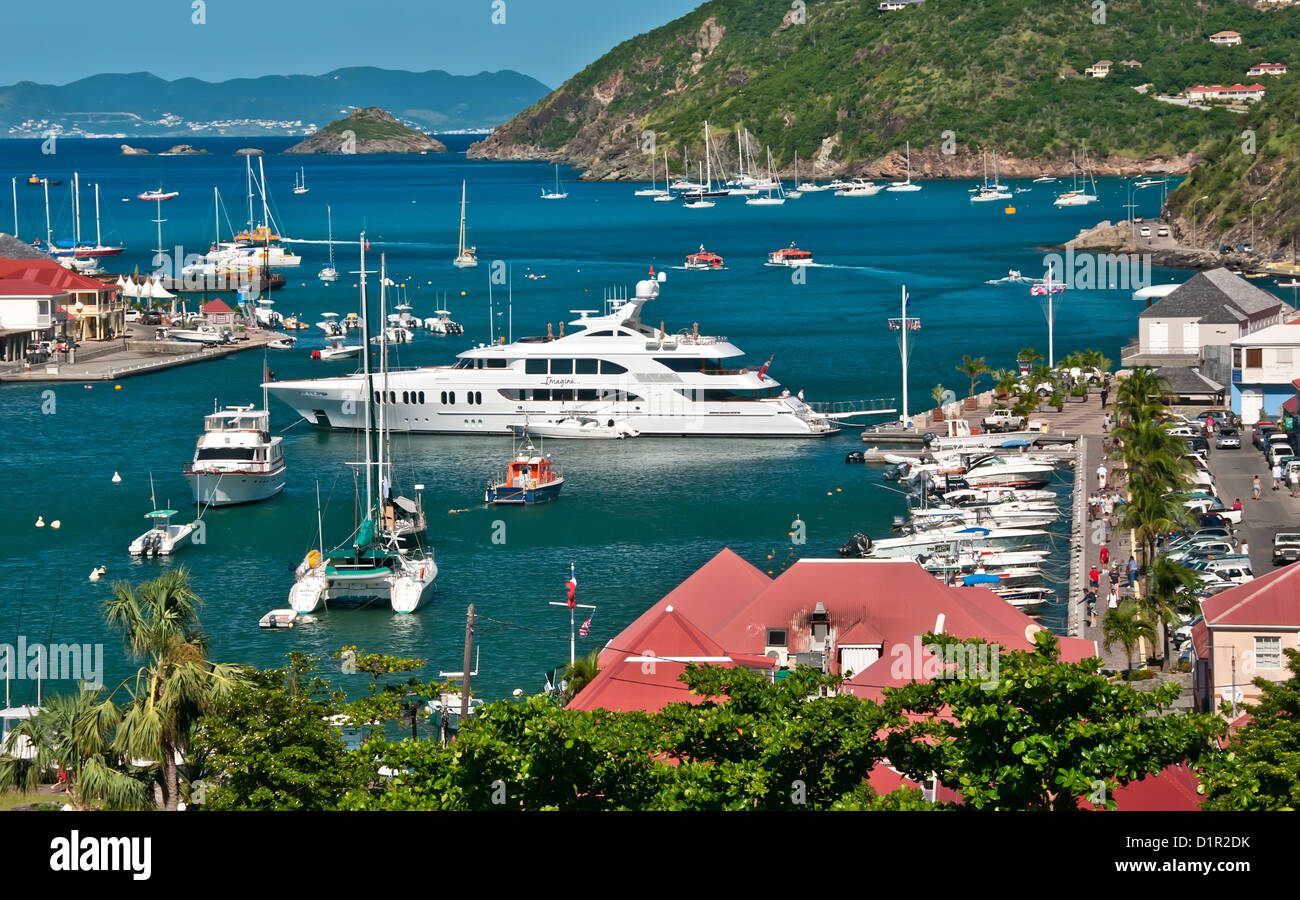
1002,74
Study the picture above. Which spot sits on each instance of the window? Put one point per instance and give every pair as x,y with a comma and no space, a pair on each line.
478,398
565,394
392,397
535,366
561,367
1282,356
452,398
611,368
601,334
1236,357
378,398
228,453
1268,653
585,366
1254,357
776,637
422,398
444,398
542,394
680,363
406,397
587,394
497,363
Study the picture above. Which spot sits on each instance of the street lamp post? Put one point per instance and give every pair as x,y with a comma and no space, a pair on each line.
1194,202
1252,222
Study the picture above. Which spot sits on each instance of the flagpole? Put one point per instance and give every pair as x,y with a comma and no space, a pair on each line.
906,421
1051,356
573,640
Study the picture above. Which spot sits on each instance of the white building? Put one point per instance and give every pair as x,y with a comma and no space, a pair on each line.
27,313
1226,38
1265,365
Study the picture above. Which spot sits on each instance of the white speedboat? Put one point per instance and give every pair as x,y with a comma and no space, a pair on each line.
1045,179
266,316
940,540
205,334
163,538
587,428
335,349
236,460
441,325
288,342
612,363
330,324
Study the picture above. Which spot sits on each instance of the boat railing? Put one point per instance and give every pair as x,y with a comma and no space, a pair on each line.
846,407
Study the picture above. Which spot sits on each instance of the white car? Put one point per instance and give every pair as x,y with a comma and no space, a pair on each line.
1163,232
1144,231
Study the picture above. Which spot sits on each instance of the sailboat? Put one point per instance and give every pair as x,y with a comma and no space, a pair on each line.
1077,197
375,563
329,273
654,191
795,193
772,184
557,194
990,190
703,198
666,196
300,183
466,257
900,186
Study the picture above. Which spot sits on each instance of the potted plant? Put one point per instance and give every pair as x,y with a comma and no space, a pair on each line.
1058,400
938,393
973,369
1079,393
1005,382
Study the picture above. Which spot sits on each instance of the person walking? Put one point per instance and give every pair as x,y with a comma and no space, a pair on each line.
1105,555
1277,475
1101,476
1132,572
1245,550
1295,482
1094,578
1114,597
1105,395
1256,488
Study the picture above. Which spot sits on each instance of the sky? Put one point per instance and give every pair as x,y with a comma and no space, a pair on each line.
547,39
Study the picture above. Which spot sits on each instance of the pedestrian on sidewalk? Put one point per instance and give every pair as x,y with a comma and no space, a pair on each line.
1256,488
1245,550
1094,578
1295,482
1105,555
1114,597
1101,476
1105,395
1277,475
1132,572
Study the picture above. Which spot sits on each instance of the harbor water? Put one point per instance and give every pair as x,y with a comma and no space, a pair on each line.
635,518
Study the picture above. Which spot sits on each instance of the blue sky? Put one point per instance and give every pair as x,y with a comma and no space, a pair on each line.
547,39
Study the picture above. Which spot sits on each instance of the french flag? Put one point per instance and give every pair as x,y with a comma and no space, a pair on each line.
572,585
762,373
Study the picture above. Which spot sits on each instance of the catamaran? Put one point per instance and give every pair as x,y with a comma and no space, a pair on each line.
900,186
258,244
466,257
607,366
557,194
382,560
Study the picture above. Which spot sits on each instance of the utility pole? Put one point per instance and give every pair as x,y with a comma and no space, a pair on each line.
469,659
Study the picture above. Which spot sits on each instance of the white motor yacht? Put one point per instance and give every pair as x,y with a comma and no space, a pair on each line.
236,459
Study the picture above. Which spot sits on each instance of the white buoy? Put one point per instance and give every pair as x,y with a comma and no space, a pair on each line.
97,573
40,521
56,524
117,479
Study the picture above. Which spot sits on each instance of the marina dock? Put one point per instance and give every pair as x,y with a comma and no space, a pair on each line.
123,359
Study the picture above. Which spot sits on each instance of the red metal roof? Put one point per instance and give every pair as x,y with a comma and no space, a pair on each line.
1269,600
49,272
1172,789
216,306
1290,406
25,287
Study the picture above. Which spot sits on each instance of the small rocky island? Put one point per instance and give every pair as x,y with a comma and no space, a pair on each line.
128,150
368,130
183,150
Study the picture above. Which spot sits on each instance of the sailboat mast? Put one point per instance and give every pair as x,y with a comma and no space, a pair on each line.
15,188
369,379
48,235
216,218
99,242
248,172
381,444
76,207
708,158
461,251
261,176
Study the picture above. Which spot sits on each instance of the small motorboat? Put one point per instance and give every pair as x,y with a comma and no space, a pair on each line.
531,478
159,195
790,256
293,323
163,538
335,349
288,342
703,260
284,618
578,428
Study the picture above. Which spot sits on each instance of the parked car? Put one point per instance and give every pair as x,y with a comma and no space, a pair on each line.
1286,548
1228,439
150,318
1222,416
1280,454
1263,428
1163,232
1197,444
1144,231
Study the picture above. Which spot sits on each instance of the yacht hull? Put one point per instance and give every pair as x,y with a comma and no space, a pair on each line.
234,488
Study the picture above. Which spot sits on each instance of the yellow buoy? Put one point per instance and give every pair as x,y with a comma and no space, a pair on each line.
1010,210
117,387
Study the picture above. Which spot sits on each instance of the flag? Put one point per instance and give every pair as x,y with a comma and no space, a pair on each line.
762,373
1040,290
572,586
586,626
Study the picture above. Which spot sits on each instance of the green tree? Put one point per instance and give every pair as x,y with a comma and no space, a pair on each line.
271,744
580,673
1260,769
1029,355
973,369
394,701
1040,733
1124,625
176,682
1171,591
72,735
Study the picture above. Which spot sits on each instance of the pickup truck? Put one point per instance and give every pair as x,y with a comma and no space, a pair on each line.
1286,548
1003,420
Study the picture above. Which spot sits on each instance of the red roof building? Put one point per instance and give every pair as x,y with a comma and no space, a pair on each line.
218,313
1244,632
95,309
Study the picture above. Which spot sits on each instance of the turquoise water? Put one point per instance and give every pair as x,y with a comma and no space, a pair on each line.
636,517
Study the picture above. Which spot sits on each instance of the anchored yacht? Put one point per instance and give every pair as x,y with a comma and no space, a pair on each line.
236,459
609,366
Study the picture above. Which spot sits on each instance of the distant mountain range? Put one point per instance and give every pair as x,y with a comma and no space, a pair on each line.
144,105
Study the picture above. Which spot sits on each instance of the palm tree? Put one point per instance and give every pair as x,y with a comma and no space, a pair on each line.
1151,511
973,369
70,736
1125,626
1005,381
1029,355
1170,590
1141,395
176,683
580,673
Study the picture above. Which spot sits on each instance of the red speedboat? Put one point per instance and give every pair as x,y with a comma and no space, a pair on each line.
790,256
703,260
